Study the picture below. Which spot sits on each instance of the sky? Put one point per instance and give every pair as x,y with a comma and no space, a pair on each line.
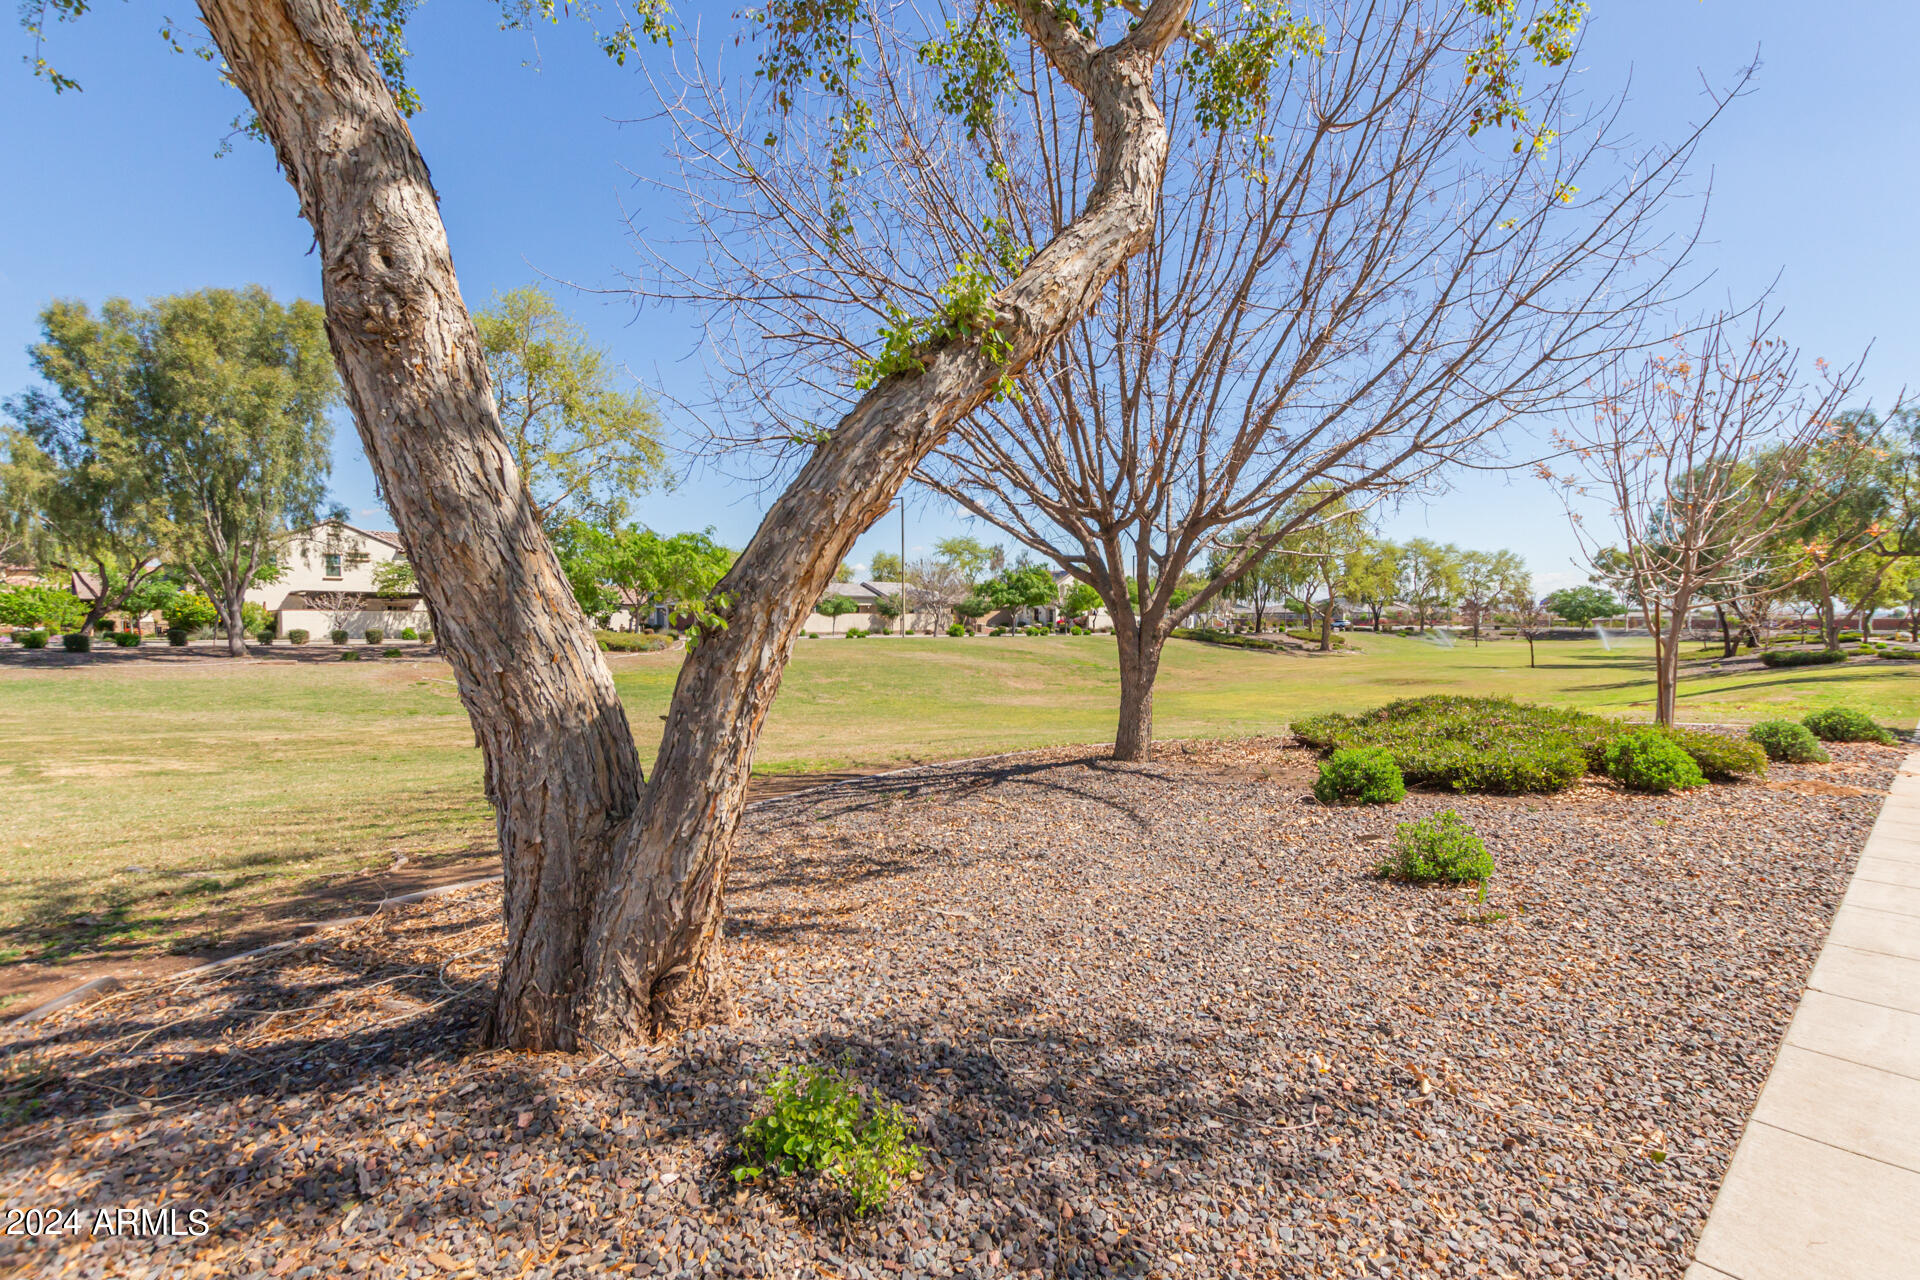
534,146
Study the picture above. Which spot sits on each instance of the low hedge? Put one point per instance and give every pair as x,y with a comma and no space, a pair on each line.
31,639
75,642
1801,657
297,636
629,641
374,635
1842,724
1503,747
127,639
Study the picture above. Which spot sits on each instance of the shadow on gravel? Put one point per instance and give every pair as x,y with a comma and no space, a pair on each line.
947,782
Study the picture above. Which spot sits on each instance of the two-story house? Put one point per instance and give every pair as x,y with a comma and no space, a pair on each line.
326,583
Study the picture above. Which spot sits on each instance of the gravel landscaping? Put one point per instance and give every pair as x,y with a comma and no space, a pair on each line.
1147,1020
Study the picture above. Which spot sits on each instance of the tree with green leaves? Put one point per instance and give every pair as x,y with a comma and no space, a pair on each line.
970,557
1264,582
886,567
1080,601
1372,577
612,882
836,607
584,443
637,570
1487,577
1429,577
54,608
1584,606
1021,587
25,474
1321,550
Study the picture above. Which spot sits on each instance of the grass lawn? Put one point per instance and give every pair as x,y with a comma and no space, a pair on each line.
152,806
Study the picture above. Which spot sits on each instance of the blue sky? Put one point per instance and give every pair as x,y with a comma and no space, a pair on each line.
117,190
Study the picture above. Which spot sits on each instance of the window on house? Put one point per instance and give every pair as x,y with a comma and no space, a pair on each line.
330,565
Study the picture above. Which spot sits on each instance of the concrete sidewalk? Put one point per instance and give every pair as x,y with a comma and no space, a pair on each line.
1825,1184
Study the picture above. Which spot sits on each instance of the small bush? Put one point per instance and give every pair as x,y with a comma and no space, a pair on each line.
74,642
426,635
1360,775
1842,724
813,635
31,639
1649,760
956,630
629,641
1801,657
127,639
374,635
1721,757
350,656
390,653
298,635
408,633
1442,847
338,635
1788,741
817,1123
177,637
856,633
267,635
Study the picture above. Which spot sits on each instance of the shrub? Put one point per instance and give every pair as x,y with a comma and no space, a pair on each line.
390,653
1442,847
31,639
374,635
408,633
813,635
177,637
817,1123
629,642
1721,757
856,633
1649,760
1842,724
956,630
426,635
338,635
127,639
1788,741
1801,657
1360,775
298,635
75,642
189,611
267,634
350,656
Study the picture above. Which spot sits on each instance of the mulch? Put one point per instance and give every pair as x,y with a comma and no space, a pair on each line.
1147,1019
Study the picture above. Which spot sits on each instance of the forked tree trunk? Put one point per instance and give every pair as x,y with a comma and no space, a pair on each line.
234,612
613,896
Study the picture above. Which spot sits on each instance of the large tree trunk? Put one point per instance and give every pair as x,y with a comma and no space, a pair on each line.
1139,650
233,611
613,911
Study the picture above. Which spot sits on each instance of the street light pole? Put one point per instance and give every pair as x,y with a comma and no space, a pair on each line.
903,566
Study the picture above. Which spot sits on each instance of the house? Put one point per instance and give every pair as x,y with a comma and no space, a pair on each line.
865,595
326,583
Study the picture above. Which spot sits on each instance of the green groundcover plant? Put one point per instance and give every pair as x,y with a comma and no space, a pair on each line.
1360,775
1504,747
1442,847
1788,741
817,1122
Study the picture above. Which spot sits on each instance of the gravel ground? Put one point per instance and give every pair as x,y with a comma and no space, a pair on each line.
1148,1020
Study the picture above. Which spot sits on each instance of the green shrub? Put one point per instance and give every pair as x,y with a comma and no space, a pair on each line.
1360,775
1801,657
390,653
816,1122
813,635
374,635
956,630
1720,756
267,634
1649,760
1788,741
75,642
31,639
127,639
856,633
1442,847
338,635
298,635
426,635
408,633
177,637
1842,724
350,656
629,641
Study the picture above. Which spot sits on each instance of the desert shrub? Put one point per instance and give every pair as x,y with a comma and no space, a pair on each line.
1360,775
1649,760
31,639
408,633
298,635
390,653
629,642
374,635
177,637
267,634
856,633
426,635
1492,745
338,635
350,656
1801,657
127,639
817,1122
1842,724
1720,756
813,635
1442,847
75,642
956,630
1788,741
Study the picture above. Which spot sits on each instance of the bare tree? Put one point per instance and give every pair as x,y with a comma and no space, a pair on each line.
341,608
1700,457
1343,310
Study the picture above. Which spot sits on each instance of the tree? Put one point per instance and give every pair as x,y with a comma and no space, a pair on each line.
52,607
1264,581
1080,601
1318,553
1583,606
970,557
612,885
886,567
1021,586
638,570
1534,618
835,607
1303,320
25,472
189,611
1703,456
1429,577
1489,576
933,588
583,444
1373,577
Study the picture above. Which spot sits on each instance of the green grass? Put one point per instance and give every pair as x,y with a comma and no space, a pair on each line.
232,787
